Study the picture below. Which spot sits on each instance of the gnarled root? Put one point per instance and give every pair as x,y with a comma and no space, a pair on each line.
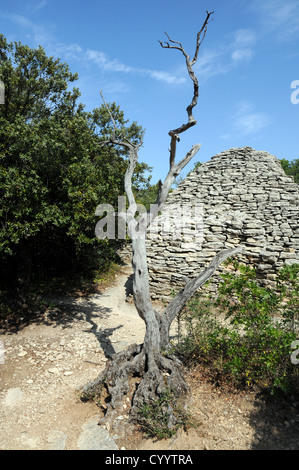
163,373
155,373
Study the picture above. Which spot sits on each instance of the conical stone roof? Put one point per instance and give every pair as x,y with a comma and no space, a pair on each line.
240,197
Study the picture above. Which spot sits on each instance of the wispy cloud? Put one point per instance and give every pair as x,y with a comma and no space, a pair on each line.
115,88
242,48
38,33
115,65
246,120
67,51
103,62
277,17
280,17
240,55
221,60
39,6
212,62
164,76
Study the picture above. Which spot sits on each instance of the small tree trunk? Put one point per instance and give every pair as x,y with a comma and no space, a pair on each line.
150,361
23,272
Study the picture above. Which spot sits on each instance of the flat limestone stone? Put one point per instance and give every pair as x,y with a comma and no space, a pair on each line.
14,397
57,440
93,437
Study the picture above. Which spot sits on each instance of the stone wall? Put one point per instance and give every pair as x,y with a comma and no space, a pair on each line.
246,199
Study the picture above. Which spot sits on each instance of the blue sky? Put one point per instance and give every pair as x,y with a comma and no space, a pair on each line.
246,66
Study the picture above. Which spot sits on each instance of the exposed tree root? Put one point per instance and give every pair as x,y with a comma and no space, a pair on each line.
156,373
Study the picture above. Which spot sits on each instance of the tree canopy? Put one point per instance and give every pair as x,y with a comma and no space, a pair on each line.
53,169
291,168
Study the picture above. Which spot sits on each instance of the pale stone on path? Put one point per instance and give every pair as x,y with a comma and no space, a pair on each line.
14,397
94,437
57,440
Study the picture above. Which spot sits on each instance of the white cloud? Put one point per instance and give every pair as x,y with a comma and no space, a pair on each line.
242,45
39,6
223,59
38,33
103,62
115,88
240,55
75,52
280,17
164,76
244,38
115,65
211,63
67,51
246,120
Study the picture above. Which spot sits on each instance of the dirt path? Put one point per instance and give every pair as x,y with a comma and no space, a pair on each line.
47,362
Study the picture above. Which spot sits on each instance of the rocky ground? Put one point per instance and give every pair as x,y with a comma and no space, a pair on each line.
45,364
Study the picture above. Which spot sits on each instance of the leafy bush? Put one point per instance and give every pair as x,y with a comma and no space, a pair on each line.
291,168
54,170
288,285
245,335
162,418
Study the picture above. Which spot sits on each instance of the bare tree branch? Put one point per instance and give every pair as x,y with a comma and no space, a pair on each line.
176,305
200,39
168,46
189,63
173,172
112,119
175,169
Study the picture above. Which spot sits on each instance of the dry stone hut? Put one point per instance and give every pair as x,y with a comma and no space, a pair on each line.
246,199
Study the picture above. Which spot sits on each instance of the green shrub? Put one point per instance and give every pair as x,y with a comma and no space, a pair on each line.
162,418
245,334
288,286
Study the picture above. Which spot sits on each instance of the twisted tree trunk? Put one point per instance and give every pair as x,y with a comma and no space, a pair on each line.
149,361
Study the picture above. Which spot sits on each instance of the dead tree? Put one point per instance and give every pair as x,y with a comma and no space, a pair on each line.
156,369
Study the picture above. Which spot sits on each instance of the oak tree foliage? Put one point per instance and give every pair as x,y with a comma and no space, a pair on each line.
53,170
291,168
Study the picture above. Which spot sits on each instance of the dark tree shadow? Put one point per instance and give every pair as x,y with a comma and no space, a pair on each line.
63,312
103,338
129,285
276,423
92,313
